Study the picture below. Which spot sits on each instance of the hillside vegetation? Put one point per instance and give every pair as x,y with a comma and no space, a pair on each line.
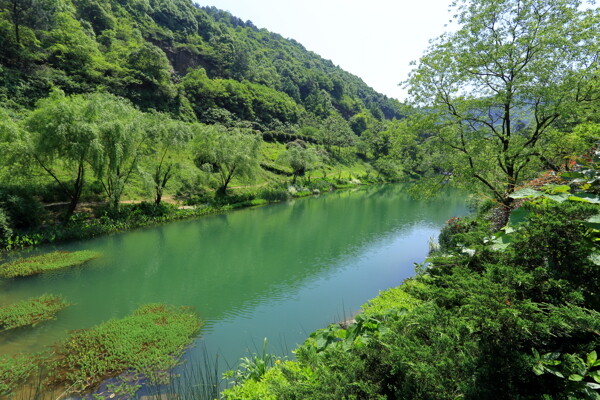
112,100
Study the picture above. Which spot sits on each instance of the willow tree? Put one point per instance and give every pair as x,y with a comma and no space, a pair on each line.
68,136
227,153
166,138
63,139
122,139
300,158
497,86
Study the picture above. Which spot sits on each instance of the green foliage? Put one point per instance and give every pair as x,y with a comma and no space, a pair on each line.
390,301
45,263
496,86
335,132
227,154
455,232
583,374
22,208
274,194
554,239
30,312
150,86
586,173
245,101
148,342
300,158
63,135
253,367
5,228
14,371
73,51
166,138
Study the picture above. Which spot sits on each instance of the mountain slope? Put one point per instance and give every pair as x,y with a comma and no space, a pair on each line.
172,55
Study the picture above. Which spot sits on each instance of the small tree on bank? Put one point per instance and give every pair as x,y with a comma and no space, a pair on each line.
227,153
300,158
166,137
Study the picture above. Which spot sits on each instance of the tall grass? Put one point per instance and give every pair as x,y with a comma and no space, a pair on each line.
194,380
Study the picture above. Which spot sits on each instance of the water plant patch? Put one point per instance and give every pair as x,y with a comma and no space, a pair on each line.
30,312
14,371
45,262
148,343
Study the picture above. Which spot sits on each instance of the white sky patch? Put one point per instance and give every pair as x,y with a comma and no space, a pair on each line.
375,40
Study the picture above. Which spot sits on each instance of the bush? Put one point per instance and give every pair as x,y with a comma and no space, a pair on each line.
555,243
5,229
24,210
238,198
453,232
151,210
274,194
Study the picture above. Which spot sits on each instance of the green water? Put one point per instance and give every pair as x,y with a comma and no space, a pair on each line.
279,271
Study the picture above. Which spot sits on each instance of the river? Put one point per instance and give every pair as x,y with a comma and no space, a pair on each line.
279,271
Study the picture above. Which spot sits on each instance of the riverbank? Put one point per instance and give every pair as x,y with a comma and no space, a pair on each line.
98,220
500,315
252,274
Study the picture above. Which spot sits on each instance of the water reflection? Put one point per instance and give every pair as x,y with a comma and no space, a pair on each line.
279,271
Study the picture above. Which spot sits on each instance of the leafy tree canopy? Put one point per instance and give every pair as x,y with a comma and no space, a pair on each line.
496,87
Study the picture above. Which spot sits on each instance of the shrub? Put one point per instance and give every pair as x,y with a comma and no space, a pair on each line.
320,184
454,232
234,199
555,243
151,210
24,210
5,229
274,194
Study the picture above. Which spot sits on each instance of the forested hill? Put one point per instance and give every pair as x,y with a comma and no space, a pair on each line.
194,62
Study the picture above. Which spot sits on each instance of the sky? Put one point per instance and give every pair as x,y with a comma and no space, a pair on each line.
375,40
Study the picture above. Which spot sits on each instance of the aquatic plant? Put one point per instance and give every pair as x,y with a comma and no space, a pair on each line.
45,262
14,371
254,367
147,343
30,312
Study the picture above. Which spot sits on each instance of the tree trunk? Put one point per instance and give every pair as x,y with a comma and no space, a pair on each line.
16,16
76,194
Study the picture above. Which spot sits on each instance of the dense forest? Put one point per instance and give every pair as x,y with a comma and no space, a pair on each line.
176,57
103,101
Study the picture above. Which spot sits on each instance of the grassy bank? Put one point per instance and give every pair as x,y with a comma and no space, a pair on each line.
102,221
